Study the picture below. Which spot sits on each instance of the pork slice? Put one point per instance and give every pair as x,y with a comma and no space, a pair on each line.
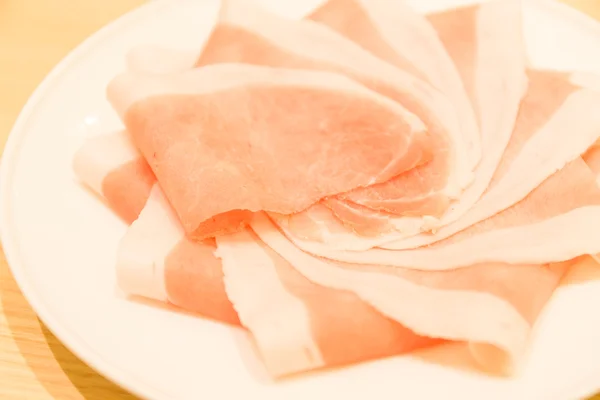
556,222
298,325
489,306
490,55
317,131
489,52
248,34
555,114
111,166
155,260
395,33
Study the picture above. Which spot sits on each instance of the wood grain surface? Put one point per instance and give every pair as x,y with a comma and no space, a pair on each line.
34,36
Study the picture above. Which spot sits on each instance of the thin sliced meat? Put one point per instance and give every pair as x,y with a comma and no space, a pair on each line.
111,167
486,43
287,346
548,110
298,325
155,260
320,224
495,328
557,239
217,167
245,33
489,53
555,114
395,33
556,222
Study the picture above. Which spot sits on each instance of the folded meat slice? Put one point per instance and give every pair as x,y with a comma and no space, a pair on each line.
491,306
298,325
555,103
395,33
155,260
558,221
555,114
489,52
111,167
317,131
248,34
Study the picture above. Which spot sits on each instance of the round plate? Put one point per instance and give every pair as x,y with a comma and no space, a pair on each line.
60,242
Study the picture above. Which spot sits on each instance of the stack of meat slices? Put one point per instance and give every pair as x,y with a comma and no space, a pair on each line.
357,184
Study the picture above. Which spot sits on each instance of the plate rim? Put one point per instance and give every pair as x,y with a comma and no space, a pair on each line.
586,386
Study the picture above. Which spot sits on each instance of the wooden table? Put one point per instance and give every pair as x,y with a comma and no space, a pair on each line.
34,36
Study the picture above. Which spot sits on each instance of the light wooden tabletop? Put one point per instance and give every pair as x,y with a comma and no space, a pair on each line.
34,36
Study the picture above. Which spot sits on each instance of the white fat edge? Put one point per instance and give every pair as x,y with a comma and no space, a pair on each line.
315,41
101,154
129,88
574,115
555,239
417,41
469,316
147,243
278,320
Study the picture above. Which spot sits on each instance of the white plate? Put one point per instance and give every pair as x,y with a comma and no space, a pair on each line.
60,243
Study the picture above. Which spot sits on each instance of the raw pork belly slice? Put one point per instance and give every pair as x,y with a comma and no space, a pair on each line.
554,115
155,260
298,325
558,221
491,306
486,43
395,33
489,53
279,139
248,34
111,167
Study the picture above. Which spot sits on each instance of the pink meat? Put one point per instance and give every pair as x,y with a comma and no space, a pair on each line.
490,305
298,325
400,36
157,261
553,105
247,34
486,45
468,34
111,167
215,167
